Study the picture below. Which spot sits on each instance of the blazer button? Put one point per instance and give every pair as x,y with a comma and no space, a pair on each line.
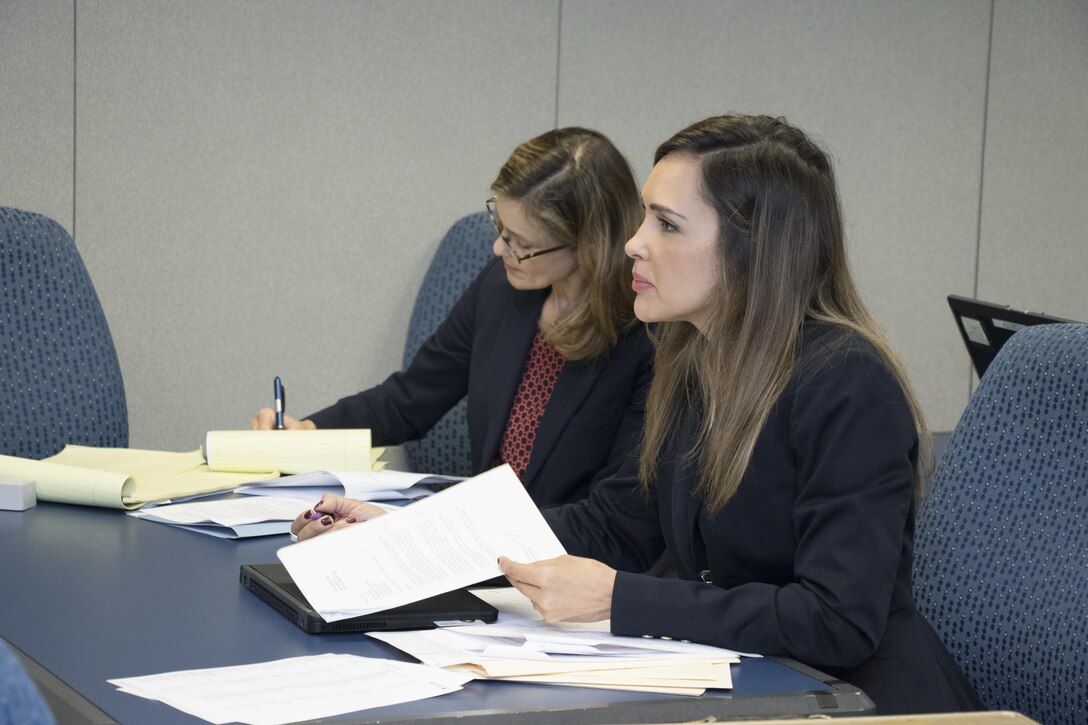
705,576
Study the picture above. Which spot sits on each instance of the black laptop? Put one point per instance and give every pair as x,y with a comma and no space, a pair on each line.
273,584
985,327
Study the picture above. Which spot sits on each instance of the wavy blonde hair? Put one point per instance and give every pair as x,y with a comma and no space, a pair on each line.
579,189
783,261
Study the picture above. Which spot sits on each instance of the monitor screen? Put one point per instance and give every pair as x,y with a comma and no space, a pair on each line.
985,327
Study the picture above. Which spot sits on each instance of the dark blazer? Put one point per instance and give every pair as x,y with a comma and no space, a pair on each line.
811,559
592,419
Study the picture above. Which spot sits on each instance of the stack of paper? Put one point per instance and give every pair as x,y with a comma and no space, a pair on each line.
384,485
521,647
230,518
273,504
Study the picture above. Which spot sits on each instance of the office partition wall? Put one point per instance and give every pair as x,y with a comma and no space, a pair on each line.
256,187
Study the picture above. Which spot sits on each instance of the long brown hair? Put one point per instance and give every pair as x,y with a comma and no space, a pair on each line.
783,261
579,188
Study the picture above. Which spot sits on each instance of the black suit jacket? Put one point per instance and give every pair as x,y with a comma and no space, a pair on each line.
810,559
592,419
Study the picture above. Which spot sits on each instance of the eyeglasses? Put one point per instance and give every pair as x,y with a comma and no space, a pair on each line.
493,215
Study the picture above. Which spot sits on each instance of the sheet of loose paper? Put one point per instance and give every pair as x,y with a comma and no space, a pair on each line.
294,689
446,541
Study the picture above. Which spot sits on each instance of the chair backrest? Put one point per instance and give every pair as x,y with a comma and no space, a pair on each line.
1001,557
60,381
20,701
460,256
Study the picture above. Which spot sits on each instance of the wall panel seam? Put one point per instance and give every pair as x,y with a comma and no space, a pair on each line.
982,172
558,58
982,154
75,100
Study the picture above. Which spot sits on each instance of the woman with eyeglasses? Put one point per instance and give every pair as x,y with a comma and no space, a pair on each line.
543,343
780,459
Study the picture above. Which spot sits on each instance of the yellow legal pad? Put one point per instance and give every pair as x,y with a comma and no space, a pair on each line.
292,451
128,478
121,478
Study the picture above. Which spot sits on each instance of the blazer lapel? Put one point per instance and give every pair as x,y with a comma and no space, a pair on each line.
684,503
504,367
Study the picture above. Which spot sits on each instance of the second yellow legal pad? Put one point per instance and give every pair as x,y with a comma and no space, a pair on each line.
292,451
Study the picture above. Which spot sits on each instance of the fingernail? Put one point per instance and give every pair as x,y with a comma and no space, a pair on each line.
311,515
326,521
350,520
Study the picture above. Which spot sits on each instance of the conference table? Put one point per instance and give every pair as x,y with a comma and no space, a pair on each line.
92,594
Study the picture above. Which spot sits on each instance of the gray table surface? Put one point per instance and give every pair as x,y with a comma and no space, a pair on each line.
92,594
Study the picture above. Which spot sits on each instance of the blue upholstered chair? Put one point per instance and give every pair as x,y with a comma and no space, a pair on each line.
1001,558
59,377
460,256
20,701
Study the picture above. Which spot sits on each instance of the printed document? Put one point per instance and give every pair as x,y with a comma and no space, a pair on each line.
446,541
294,689
522,647
233,518
381,485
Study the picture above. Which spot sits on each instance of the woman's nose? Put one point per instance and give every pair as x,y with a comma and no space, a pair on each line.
634,248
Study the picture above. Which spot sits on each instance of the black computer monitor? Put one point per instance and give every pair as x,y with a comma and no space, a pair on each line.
985,327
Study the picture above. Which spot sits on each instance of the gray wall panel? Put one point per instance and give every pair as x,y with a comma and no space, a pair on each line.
1034,245
36,79
896,91
261,184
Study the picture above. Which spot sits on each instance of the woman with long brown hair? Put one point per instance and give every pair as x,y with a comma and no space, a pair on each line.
782,441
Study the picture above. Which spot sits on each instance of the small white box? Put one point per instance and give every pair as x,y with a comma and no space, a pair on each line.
16,494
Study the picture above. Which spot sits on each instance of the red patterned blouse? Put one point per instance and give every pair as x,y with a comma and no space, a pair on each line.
537,383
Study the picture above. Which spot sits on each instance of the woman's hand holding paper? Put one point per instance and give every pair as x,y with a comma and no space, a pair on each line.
566,588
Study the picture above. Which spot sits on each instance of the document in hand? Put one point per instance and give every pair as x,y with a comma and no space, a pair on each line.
291,451
446,541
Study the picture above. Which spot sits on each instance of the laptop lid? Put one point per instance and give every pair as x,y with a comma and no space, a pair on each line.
986,327
273,584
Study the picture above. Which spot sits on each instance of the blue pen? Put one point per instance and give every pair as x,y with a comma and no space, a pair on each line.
281,401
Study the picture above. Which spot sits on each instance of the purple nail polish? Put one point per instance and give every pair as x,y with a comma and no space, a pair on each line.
326,521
